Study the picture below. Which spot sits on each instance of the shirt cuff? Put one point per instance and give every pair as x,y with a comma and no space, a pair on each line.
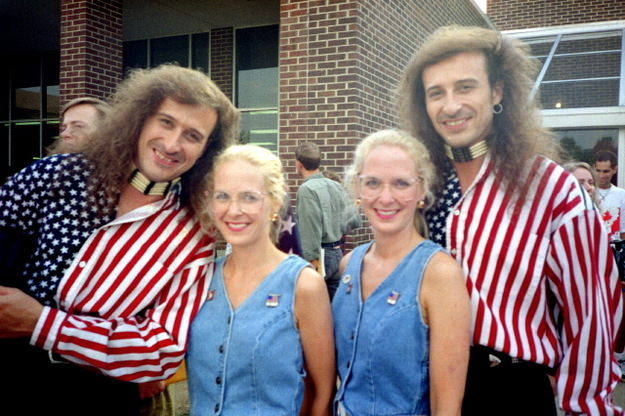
47,328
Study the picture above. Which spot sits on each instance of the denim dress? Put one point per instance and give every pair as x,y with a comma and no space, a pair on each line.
249,360
383,343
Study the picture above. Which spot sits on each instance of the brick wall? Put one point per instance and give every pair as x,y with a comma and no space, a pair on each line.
520,14
221,56
340,62
91,48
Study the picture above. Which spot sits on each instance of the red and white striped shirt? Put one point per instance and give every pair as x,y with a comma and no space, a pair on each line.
542,280
126,302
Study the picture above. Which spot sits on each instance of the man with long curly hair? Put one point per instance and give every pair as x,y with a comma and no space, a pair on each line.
121,263
539,271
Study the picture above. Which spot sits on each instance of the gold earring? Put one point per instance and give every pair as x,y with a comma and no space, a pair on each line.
358,201
274,217
421,204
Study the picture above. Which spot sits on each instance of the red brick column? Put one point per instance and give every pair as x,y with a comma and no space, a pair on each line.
91,48
221,56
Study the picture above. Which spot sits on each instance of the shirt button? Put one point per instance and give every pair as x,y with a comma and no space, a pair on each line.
82,264
218,380
453,251
221,349
229,320
217,408
349,363
352,337
457,212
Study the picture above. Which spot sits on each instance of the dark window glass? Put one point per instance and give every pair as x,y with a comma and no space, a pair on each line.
26,88
25,144
257,67
135,55
5,168
51,84
5,97
582,144
199,52
173,49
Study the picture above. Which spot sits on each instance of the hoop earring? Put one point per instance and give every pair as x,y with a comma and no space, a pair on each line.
498,108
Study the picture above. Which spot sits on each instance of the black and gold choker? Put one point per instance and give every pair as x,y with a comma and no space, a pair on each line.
148,187
466,154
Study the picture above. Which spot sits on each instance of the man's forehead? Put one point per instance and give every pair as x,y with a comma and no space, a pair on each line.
603,164
472,63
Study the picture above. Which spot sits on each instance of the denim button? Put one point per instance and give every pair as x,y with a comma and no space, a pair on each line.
349,363
352,337
229,320
217,408
221,349
218,380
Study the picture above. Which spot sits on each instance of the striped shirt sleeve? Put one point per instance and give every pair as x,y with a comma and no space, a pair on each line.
126,303
582,276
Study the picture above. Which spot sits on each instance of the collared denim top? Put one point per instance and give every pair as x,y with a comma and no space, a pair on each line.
382,342
249,360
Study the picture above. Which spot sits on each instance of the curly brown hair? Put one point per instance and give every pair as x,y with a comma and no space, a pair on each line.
518,134
113,148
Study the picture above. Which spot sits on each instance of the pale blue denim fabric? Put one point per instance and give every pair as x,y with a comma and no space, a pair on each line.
383,343
248,361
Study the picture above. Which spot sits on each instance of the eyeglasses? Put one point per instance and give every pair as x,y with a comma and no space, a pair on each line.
400,188
249,202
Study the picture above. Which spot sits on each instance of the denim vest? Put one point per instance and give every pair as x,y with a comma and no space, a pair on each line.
248,361
382,343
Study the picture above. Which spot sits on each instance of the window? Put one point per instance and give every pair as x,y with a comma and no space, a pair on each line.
30,109
579,69
185,50
582,86
257,84
582,144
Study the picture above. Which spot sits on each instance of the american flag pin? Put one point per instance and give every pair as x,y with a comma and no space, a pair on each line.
348,290
392,298
272,301
211,295
347,278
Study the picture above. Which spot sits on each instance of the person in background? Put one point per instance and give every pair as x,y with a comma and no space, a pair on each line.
611,198
264,334
351,216
79,119
121,263
542,280
586,176
401,313
320,207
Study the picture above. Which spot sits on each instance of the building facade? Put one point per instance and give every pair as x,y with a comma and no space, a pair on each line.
580,44
324,71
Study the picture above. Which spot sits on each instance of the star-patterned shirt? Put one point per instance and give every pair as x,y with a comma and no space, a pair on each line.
436,217
134,282
49,199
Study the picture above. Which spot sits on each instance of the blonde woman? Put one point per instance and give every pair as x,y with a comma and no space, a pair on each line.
401,311
265,330
586,176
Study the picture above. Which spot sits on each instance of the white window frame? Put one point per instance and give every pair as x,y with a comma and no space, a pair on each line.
589,117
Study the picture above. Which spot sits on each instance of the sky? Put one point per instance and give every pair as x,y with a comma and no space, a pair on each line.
481,4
